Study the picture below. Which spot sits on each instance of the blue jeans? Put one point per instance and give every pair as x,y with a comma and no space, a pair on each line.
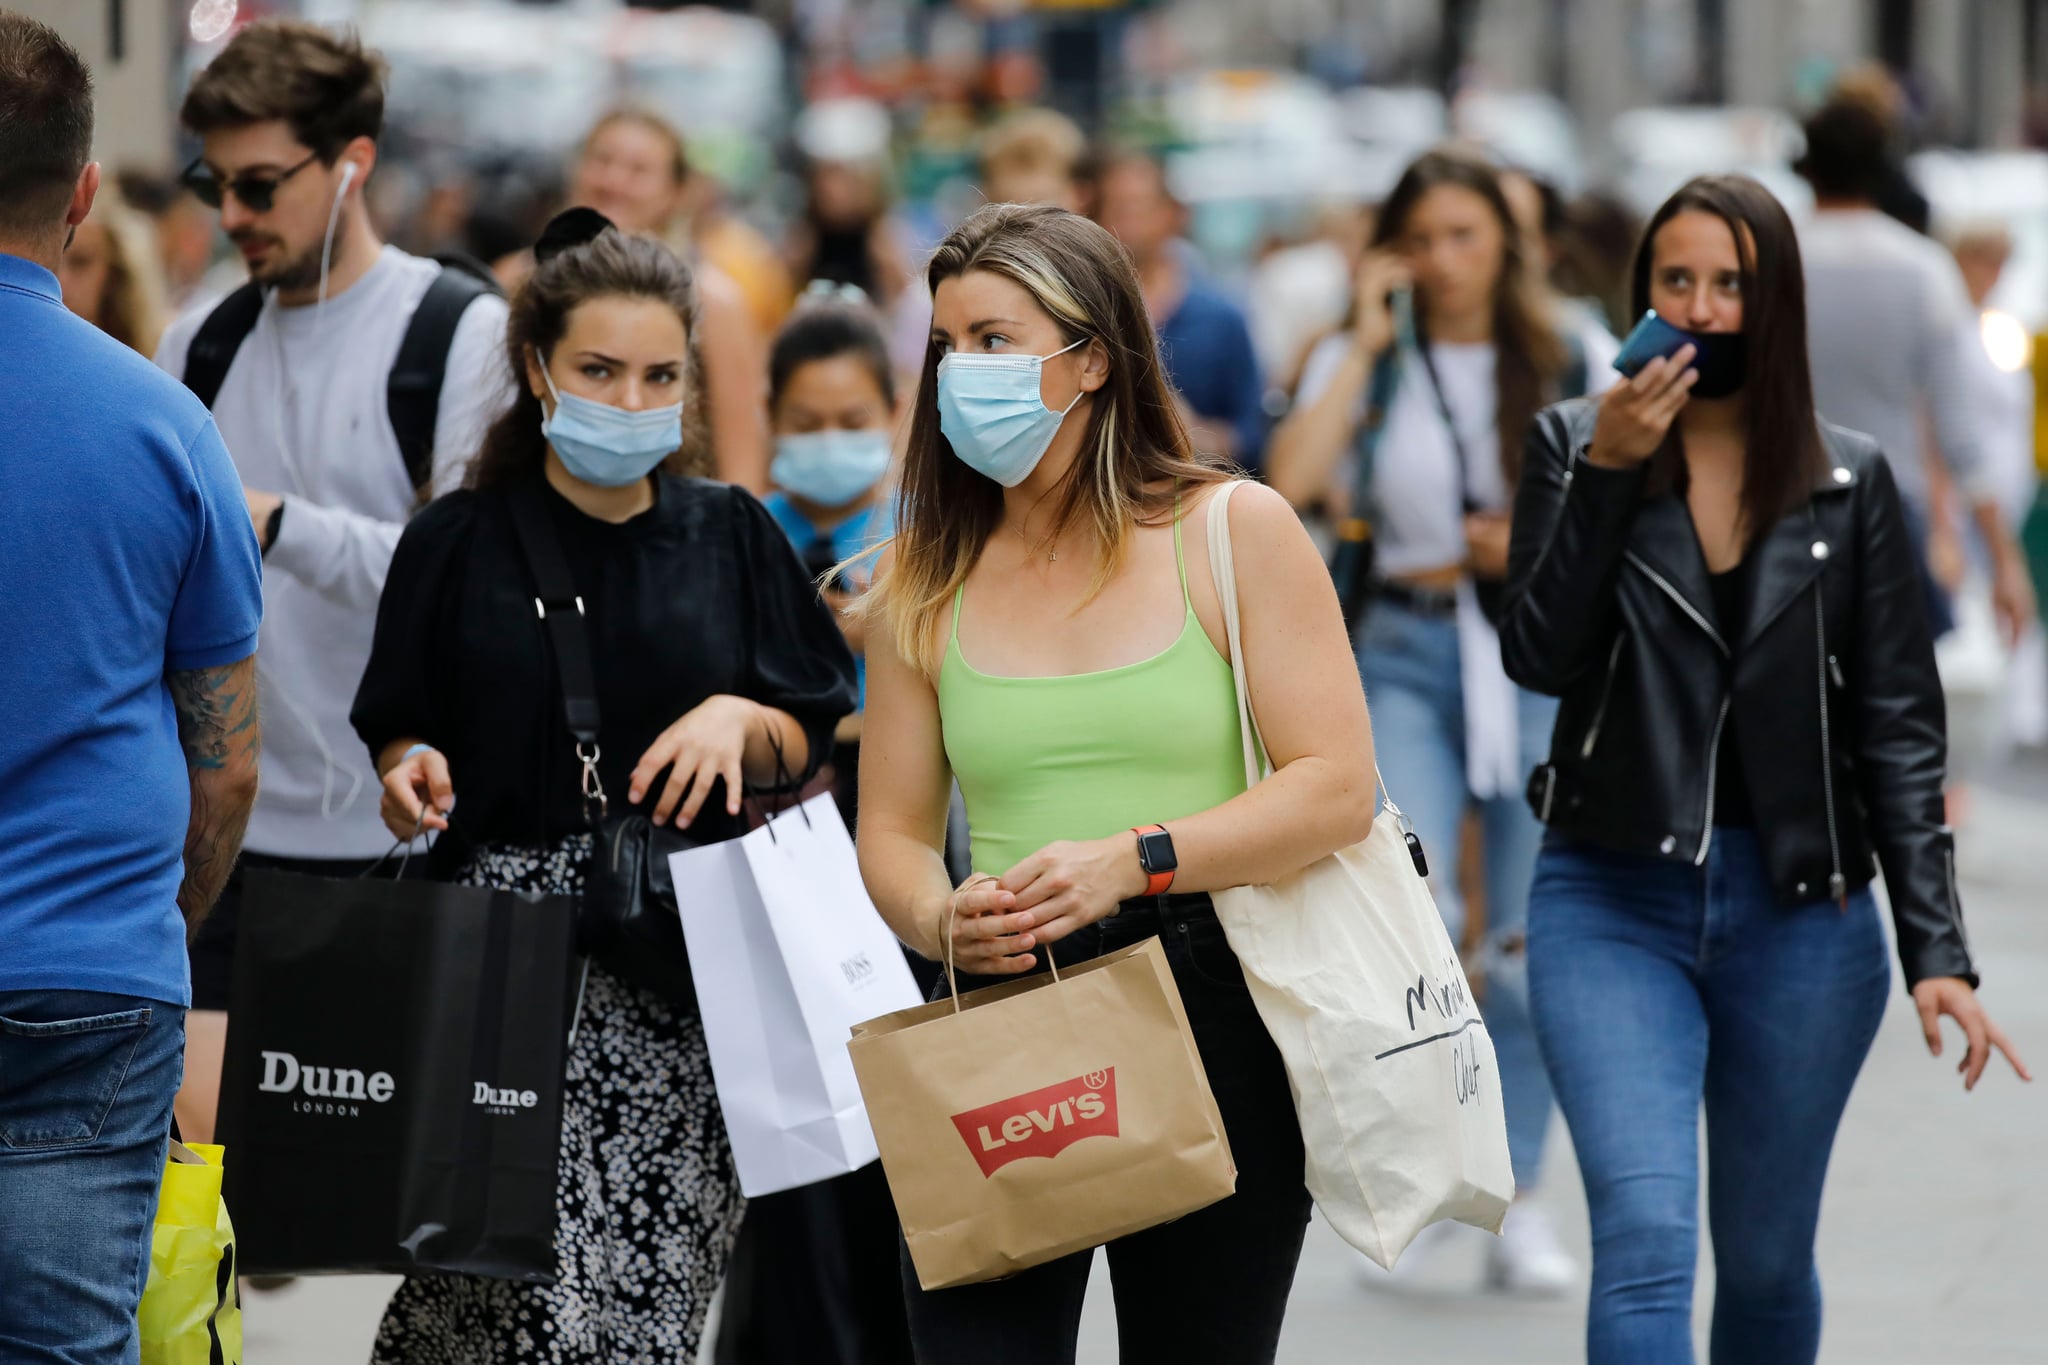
86,1083
1412,682
1657,985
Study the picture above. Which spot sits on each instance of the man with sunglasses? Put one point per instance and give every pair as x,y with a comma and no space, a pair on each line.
350,381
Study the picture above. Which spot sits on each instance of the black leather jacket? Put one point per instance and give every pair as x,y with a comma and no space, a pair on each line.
1832,695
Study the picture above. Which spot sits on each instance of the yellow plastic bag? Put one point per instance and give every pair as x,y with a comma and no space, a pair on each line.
191,1312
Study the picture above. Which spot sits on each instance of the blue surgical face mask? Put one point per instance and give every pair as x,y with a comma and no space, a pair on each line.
830,468
991,411
607,446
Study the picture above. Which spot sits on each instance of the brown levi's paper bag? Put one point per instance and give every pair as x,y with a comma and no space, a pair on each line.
1041,1117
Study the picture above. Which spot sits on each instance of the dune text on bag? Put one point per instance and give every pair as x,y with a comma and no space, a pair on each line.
1041,1122
334,1087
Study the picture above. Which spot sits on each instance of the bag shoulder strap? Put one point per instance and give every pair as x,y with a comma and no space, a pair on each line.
412,391
560,609
1223,569
220,336
1379,397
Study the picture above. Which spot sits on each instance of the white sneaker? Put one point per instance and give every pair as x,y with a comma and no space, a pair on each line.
1527,1258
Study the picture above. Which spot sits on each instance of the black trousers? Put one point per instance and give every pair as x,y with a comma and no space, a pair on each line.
1211,1287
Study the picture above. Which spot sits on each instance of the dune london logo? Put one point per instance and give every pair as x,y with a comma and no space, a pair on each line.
1041,1122
336,1090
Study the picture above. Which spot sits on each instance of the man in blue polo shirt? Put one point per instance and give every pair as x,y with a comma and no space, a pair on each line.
1204,341
130,586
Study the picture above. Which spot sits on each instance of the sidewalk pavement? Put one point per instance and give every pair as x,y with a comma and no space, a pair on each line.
1933,1236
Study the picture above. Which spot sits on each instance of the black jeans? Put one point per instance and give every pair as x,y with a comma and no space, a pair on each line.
1210,1287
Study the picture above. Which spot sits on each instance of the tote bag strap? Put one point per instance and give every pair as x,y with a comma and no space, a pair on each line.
1224,571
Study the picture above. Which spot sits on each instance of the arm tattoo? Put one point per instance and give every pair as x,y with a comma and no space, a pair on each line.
216,713
221,735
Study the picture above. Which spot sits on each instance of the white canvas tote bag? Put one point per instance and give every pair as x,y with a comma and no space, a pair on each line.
1392,1069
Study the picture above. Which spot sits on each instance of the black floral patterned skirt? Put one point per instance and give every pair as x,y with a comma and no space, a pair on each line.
648,1201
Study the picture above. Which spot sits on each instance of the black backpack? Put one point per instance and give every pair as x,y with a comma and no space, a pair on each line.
412,392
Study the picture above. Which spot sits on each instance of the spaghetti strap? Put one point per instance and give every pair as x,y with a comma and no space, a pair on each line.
1180,555
959,596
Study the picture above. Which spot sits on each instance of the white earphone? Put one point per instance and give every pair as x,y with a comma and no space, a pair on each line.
348,175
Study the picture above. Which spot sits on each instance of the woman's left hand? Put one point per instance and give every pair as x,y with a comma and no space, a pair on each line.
706,744
1486,544
1068,886
1953,996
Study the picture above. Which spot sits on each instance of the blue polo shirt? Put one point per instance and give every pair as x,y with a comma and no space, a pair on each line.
126,553
1207,349
858,534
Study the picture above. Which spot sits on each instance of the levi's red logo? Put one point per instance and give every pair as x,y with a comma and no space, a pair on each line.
1042,1123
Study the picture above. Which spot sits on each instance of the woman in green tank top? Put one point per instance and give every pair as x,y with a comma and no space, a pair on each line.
1045,629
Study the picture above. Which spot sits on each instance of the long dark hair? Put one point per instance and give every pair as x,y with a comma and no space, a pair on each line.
611,264
1529,353
1135,458
1783,457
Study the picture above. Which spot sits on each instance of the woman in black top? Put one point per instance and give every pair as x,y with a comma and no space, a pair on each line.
711,650
1721,591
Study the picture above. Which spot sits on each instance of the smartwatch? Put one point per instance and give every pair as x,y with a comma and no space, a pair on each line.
1156,856
272,526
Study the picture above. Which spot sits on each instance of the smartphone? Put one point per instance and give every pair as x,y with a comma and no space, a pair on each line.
1401,303
1652,337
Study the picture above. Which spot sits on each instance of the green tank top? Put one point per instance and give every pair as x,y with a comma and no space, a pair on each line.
1084,755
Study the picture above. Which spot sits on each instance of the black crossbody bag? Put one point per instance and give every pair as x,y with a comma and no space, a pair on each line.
628,921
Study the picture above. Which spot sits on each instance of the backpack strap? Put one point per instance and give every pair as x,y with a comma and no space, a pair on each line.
412,392
213,347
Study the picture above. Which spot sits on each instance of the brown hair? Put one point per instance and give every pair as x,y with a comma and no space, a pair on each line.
327,86
609,265
1782,453
1135,458
45,126
1529,353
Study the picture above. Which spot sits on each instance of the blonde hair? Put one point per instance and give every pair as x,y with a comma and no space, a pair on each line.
1033,141
1135,458
133,307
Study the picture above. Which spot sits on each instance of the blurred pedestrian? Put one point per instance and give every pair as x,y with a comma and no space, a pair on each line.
713,663
1721,591
634,169
1082,695
1036,156
1203,338
1885,307
133,595
186,233
813,1276
313,371
1424,416
847,233
113,276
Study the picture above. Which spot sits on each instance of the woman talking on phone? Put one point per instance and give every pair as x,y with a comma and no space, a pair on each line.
1046,630
1424,419
1721,590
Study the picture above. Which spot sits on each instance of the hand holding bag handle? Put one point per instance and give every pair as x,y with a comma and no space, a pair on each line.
1257,763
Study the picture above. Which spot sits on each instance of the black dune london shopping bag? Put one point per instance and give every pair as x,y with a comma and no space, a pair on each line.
393,1086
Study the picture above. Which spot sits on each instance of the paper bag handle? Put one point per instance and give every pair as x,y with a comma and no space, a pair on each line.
953,981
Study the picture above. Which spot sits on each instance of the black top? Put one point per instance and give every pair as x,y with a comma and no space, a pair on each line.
1731,783
698,596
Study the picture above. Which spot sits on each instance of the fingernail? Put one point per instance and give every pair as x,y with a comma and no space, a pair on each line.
681,823
446,803
634,795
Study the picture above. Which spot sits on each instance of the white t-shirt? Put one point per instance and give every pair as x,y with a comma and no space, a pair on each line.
303,413
1421,508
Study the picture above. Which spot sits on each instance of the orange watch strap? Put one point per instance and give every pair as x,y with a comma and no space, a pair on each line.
1160,881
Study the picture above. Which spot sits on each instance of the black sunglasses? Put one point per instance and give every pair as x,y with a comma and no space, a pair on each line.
257,192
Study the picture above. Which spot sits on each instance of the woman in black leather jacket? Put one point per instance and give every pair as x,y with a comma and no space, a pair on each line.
1720,590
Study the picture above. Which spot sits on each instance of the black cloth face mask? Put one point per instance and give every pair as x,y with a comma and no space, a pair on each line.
1722,359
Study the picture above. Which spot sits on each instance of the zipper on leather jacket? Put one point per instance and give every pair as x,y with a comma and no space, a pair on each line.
1606,693
1838,885
1713,771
